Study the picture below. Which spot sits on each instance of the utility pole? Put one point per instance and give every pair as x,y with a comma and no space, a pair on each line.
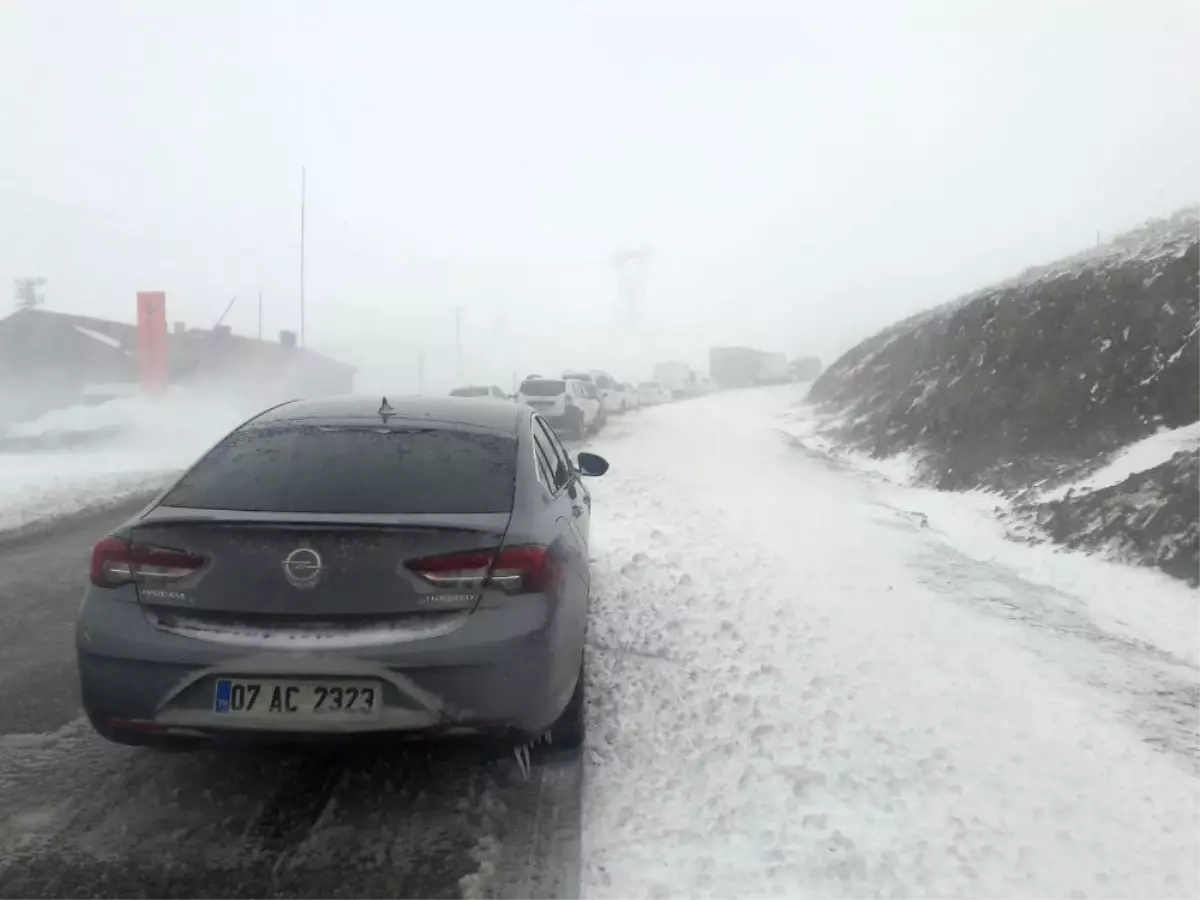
458,345
303,190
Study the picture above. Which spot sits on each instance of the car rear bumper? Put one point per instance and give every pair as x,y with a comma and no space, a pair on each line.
548,411
502,671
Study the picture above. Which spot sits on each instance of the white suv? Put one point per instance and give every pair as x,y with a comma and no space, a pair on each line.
611,394
564,404
653,393
630,395
477,390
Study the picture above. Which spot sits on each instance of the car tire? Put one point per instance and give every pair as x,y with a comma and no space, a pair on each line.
570,729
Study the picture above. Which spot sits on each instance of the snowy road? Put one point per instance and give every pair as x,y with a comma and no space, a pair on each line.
809,682
803,681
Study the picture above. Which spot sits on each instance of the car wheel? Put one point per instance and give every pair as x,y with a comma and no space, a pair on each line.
570,728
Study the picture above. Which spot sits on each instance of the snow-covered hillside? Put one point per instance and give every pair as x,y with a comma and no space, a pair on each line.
1037,382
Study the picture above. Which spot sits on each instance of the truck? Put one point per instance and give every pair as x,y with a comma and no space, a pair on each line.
742,367
677,377
772,369
733,367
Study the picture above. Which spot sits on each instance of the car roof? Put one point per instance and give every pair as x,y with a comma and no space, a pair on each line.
563,381
450,412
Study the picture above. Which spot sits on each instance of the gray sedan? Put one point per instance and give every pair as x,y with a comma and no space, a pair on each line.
347,567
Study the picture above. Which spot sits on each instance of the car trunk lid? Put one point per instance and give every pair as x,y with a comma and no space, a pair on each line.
271,569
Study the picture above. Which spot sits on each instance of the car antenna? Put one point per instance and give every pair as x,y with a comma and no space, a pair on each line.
385,410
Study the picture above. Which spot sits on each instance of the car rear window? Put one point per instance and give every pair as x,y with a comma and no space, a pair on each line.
543,387
328,469
471,392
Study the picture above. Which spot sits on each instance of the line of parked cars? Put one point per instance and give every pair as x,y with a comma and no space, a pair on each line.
579,402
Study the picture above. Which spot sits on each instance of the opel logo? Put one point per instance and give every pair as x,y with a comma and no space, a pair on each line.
302,567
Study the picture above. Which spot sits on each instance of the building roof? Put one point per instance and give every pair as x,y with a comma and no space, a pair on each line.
189,351
473,412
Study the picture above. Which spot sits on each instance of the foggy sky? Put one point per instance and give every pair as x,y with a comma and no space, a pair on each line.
803,173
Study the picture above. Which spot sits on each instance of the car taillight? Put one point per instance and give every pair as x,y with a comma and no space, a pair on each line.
514,570
461,571
116,561
521,569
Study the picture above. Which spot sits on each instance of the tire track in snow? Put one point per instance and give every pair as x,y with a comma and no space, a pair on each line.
1156,690
413,822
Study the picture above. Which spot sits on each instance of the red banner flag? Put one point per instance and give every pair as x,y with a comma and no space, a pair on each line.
152,341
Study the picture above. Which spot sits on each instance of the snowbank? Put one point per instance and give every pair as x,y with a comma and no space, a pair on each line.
181,413
1141,456
138,444
808,432
35,488
1149,518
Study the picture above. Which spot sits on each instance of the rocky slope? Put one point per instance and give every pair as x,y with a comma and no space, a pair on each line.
1039,380
1150,518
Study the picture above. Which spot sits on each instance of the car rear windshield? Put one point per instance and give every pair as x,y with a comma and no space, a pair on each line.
470,392
543,387
329,469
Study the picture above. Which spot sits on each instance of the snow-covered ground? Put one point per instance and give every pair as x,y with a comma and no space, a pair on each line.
154,438
1145,454
809,680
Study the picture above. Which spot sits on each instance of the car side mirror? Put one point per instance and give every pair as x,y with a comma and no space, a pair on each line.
592,464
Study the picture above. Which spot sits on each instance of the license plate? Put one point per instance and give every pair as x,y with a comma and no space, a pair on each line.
296,699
